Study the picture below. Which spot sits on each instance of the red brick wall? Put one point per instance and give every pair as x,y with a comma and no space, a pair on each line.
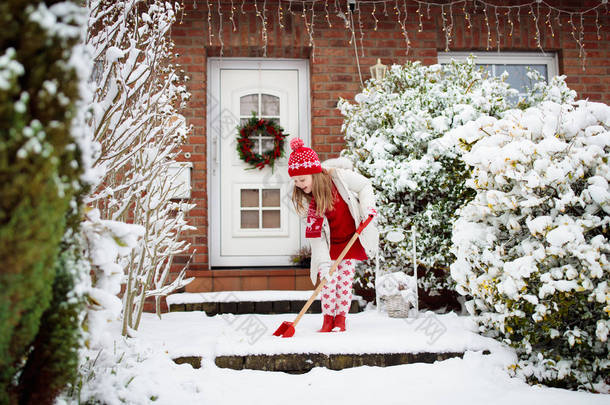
333,66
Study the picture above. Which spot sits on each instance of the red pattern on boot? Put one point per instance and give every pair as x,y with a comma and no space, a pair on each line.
328,324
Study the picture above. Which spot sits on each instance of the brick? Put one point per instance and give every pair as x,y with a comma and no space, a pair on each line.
200,284
281,307
254,283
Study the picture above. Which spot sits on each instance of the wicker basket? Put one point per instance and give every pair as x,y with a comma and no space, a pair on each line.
396,306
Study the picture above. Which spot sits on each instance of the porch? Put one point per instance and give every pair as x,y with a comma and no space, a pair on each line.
248,278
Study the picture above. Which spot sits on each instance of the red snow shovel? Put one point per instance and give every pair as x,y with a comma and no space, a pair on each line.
286,329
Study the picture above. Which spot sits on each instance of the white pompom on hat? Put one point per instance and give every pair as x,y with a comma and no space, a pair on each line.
302,160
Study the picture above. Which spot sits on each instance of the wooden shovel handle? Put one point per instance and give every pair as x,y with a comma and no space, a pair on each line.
332,269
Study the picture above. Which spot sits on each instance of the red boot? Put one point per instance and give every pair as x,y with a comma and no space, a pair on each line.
328,324
339,323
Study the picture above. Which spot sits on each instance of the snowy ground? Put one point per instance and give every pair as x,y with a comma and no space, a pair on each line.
475,379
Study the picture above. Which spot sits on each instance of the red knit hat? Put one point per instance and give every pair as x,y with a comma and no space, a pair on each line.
302,160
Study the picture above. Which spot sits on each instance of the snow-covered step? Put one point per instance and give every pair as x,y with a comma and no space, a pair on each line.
372,338
248,302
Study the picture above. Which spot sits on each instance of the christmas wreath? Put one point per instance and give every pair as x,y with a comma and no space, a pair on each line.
265,128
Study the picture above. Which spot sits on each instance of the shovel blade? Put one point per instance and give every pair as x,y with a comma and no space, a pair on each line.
282,329
288,332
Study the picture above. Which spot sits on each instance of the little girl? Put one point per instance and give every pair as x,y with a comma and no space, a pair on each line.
336,201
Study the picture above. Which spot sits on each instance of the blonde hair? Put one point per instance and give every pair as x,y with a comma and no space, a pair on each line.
321,191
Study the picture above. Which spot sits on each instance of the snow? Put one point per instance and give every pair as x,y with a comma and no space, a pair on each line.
370,332
474,379
9,68
236,296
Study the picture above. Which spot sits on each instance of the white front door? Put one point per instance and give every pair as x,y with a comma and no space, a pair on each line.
252,221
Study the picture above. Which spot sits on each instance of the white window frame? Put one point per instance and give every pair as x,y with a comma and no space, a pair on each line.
507,58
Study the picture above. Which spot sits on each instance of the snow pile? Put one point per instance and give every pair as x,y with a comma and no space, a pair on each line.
397,283
532,246
133,371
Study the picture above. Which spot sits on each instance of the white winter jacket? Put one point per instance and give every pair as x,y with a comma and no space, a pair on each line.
357,192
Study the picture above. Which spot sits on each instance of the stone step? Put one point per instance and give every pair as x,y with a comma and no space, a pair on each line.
249,307
299,363
248,302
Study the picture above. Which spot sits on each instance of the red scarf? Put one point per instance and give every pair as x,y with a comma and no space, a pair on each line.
314,221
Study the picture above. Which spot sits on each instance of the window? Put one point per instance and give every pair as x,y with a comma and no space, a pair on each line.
264,106
260,208
516,64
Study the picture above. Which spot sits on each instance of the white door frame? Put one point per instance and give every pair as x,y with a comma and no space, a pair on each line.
214,123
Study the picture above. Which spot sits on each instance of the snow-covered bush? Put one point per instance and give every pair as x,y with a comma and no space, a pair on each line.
388,132
135,121
532,246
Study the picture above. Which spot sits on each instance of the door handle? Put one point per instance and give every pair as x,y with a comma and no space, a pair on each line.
214,154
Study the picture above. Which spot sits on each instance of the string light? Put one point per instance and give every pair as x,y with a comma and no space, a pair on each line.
597,25
404,24
232,16
222,45
263,18
376,20
404,29
548,23
361,32
497,28
582,54
466,16
487,24
280,15
210,35
444,17
401,15
535,18
311,42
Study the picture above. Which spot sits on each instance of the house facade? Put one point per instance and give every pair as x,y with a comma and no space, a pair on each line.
291,61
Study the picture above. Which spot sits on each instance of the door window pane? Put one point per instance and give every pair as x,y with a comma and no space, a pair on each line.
271,219
267,144
271,197
249,198
249,219
248,104
270,105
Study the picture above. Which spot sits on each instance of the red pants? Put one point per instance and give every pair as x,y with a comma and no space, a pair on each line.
337,292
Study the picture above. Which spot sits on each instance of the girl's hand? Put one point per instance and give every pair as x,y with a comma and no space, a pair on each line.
371,212
324,270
